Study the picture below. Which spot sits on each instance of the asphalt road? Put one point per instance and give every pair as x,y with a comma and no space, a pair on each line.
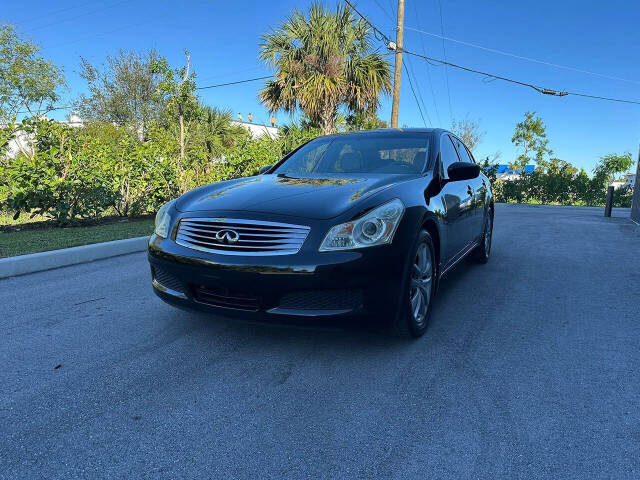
530,369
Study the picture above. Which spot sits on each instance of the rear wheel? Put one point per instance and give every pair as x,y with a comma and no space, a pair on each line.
483,250
415,311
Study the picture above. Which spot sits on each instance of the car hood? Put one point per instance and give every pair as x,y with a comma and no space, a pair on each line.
312,196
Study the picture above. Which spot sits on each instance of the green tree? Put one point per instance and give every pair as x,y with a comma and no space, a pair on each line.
555,185
176,90
123,91
323,61
357,121
490,167
294,135
530,136
29,84
468,130
218,133
606,171
612,165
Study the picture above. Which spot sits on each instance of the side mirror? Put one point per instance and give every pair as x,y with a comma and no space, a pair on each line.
265,169
463,171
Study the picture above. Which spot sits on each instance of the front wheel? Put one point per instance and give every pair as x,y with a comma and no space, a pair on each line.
415,309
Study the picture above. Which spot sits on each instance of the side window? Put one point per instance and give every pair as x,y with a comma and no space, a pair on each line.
448,154
471,155
462,151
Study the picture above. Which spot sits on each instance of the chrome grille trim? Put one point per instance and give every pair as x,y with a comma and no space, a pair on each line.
256,237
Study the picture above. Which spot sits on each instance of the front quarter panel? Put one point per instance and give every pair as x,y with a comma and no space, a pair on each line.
420,208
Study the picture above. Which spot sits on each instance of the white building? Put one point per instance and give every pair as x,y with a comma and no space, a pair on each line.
504,172
629,181
22,142
258,130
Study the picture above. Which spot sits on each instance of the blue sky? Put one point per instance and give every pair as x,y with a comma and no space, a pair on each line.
223,38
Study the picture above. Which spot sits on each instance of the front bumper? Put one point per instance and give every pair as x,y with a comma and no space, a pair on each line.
303,286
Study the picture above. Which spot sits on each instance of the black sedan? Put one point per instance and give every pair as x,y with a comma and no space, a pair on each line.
358,225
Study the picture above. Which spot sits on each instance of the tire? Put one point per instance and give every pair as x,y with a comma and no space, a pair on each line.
417,298
481,252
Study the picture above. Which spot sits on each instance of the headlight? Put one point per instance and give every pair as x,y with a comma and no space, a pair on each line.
163,220
375,228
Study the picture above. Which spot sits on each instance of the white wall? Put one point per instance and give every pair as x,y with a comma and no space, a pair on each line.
257,130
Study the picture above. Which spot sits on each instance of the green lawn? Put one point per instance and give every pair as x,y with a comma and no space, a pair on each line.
52,238
6,218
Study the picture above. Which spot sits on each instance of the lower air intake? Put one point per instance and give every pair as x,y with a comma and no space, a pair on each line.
224,298
322,300
167,280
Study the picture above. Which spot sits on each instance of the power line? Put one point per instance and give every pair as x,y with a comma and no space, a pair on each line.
412,73
373,27
393,6
235,83
221,75
67,107
384,10
69,19
54,12
424,51
543,90
409,73
596,97
414,93
138,24
444,55
513,55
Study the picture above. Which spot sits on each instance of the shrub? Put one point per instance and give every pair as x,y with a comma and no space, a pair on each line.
43,185
101,168
559,188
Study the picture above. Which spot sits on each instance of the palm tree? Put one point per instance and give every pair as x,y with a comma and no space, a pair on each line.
323,61
218,129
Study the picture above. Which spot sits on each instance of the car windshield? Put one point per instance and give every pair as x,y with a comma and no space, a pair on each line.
392,154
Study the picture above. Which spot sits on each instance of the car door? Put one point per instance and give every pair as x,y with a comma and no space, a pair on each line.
477,189
457,199
481,193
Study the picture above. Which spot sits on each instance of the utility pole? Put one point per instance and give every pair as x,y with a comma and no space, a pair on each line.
398,67
635,206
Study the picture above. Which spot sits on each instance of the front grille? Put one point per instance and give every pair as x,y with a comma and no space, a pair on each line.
230,236
322,300
225,298
167,280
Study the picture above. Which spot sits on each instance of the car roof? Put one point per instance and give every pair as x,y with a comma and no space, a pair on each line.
386,131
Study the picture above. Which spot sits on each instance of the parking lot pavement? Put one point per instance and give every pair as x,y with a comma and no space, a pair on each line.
530,369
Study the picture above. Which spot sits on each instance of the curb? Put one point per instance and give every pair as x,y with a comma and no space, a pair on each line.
37,262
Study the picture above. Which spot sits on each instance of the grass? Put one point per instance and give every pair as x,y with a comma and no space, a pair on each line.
6,218
20,240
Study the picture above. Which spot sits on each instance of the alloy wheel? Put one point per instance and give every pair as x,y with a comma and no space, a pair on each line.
488,230
421,280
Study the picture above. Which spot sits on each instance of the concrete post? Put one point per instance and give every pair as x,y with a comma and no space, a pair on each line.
609,205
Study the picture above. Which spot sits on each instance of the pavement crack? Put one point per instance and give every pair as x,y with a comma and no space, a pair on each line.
88,301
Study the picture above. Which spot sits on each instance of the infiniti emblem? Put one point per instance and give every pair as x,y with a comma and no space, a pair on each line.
227,236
